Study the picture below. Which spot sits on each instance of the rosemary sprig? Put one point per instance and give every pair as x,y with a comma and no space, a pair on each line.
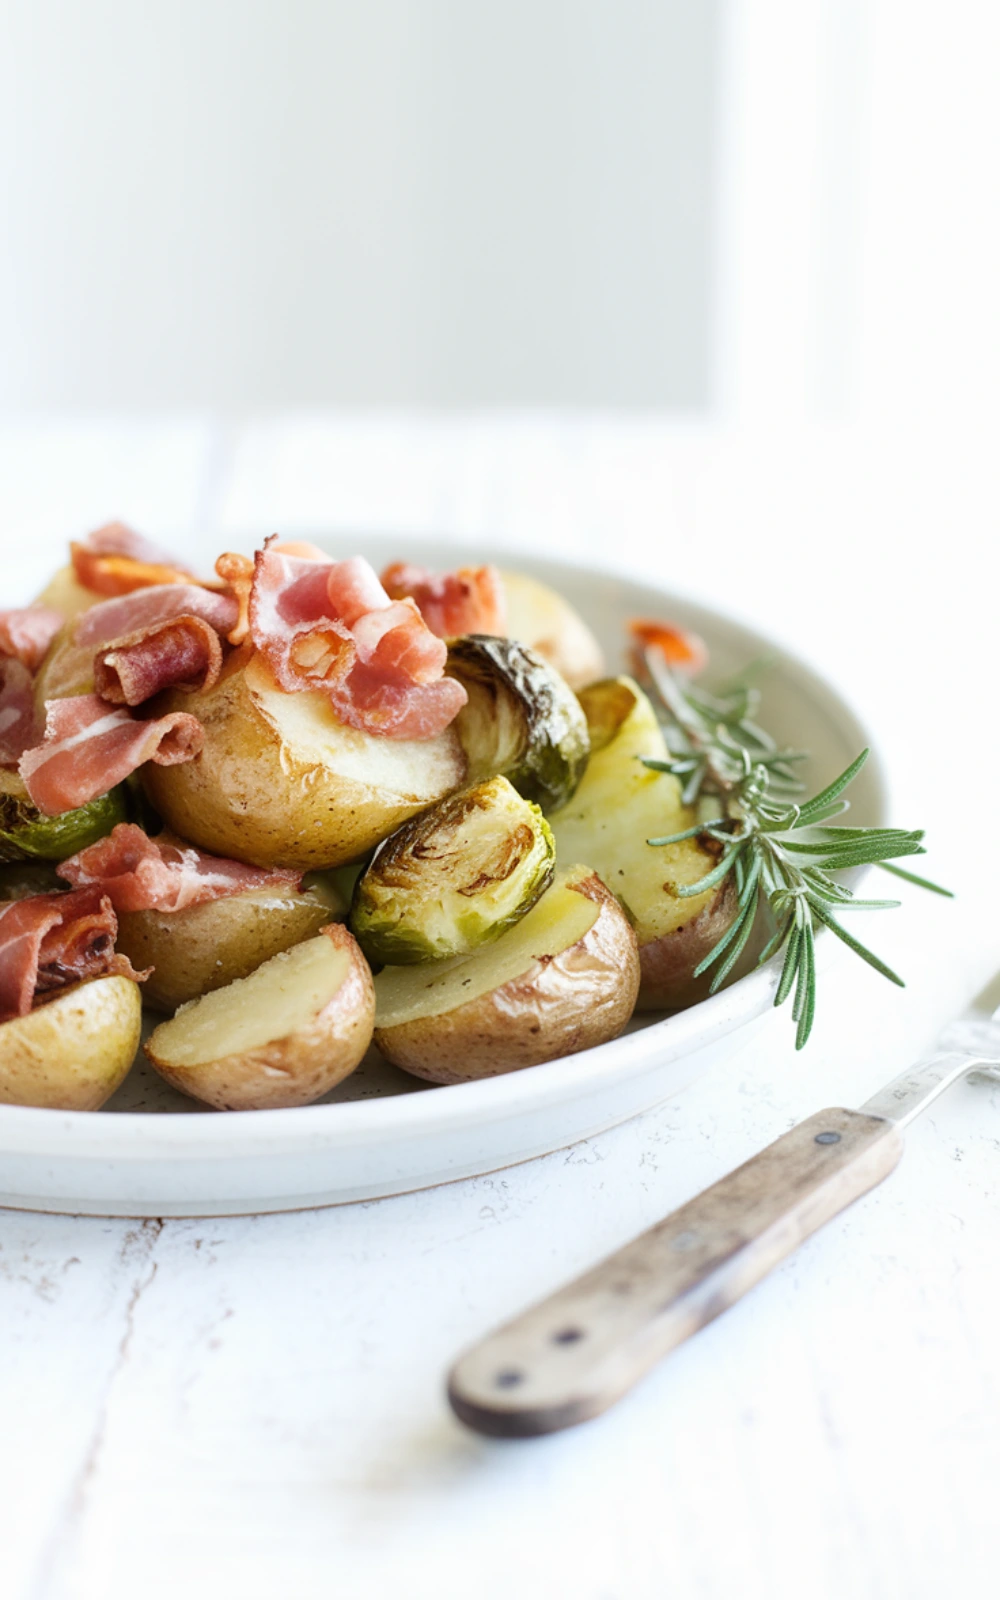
778,849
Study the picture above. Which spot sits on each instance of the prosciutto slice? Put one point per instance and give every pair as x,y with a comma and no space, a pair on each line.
50,941
163,874
27,633
88,748
112,620
17,711
115,560
152,639
330,626
469,600
183,654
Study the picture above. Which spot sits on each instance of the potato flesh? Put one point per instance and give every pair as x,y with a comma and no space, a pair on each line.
272,1003
560,918
311,731
618,806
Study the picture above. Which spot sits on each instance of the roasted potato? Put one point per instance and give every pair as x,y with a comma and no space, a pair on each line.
280,782
64,592
563,979
25,834
543,620
72,1052
455,878
619,805
284,1036
522,719
206,947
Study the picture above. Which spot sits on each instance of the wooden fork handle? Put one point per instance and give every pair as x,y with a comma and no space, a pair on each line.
571,1356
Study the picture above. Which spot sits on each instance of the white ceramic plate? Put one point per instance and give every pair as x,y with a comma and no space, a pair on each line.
153,1153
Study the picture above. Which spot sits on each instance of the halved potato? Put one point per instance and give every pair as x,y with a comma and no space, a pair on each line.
618,806
454,878
205,947
280,782
283,1036
64,592
563,979
542,619
72,1052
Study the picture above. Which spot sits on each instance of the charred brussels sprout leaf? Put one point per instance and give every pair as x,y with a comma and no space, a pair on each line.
454,878
25,834
521,721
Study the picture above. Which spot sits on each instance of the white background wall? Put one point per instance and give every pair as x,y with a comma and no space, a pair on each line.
240,204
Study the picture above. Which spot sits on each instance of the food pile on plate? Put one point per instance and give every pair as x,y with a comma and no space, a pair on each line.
300,806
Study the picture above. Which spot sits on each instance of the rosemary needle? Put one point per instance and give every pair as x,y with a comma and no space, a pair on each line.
779,849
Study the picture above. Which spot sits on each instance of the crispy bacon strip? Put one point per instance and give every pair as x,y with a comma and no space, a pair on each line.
26,633
50,941
330,626
164,874
88,748
182,654
468,600
679,648
115,560
17,711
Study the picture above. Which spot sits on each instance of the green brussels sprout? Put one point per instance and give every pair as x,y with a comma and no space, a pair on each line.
522,719
454,878
25,834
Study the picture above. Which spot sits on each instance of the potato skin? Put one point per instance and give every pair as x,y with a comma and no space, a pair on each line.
251,797
72,1052
294,1070
205,947
561,1005
667,963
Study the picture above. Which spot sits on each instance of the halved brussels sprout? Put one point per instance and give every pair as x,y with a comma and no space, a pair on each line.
454,878
26,834
522,719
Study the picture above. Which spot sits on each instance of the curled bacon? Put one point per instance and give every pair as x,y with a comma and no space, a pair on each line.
164,874
26,633
330,626
88,748
183,654
17,711
115,560
50,941
164,635
468,600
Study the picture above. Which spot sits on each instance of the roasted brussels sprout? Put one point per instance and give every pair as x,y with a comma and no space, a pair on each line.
453,879
522,720
26,834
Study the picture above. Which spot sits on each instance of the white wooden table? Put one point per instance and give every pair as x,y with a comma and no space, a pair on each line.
253,1407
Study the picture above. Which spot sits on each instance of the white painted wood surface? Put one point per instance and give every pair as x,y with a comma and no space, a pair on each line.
254,1407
